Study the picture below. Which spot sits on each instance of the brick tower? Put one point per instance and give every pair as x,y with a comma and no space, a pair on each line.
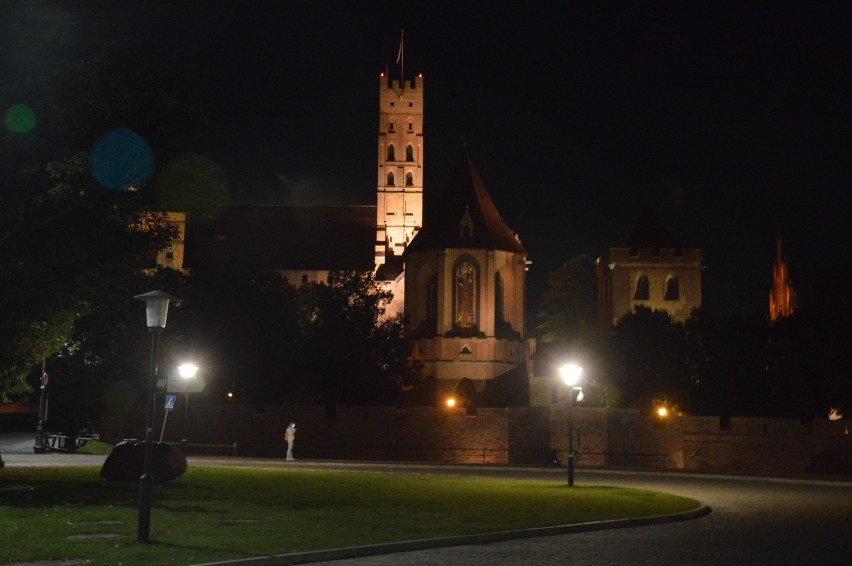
652,270
399,210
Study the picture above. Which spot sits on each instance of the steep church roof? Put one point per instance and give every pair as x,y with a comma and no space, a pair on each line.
464,216
285,238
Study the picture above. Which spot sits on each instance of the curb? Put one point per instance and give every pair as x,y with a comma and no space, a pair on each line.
425,544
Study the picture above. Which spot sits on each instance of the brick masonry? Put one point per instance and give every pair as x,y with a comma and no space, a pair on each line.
528,435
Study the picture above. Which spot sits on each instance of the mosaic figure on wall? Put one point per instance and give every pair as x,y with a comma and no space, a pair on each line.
465,295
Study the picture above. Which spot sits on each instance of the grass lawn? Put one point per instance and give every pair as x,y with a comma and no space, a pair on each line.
211,514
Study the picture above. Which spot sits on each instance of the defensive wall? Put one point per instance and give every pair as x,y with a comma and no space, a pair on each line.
528,436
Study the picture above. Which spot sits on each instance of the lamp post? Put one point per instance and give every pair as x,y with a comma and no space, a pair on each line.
186,371
156,311
39,447
571,375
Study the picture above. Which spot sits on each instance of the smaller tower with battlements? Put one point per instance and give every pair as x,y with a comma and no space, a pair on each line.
651,270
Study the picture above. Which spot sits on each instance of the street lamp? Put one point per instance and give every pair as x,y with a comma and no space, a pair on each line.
186,371
571,375
39,447
156,311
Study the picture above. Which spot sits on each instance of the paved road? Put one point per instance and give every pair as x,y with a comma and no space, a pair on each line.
754,520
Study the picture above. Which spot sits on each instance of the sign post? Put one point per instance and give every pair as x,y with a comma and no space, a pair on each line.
169,407
186,386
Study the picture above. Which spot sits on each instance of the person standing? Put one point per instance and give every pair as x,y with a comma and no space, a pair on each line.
290,437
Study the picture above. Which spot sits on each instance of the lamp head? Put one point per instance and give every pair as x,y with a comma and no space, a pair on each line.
187,371
570,374
156,307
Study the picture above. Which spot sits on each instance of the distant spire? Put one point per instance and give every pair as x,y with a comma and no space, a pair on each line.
782,296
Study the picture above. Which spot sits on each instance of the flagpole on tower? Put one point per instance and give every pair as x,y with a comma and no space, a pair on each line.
400,59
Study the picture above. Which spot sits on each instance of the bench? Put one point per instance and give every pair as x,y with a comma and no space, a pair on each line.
64,443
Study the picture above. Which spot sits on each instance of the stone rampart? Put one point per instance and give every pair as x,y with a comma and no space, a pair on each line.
524,436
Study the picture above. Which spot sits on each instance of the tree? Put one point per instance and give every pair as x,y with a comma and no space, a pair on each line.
349,354
568,311
272,343
104,364
66,244
726,364
63,237
807,366
242,328
647,361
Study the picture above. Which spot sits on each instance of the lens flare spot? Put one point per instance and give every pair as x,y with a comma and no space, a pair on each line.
193,184
20,119
121,159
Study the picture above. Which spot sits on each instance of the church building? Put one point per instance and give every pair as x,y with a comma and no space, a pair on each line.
456,271
466,286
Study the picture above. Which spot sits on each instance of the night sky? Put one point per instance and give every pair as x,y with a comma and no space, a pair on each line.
732,118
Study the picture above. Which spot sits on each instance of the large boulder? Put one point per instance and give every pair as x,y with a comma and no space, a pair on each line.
126,462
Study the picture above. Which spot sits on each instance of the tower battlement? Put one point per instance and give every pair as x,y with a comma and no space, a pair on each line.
400,85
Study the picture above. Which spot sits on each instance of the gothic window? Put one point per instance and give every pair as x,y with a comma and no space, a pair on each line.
390,179
390,126
170,253
391,156
409,153
410,126
672,289
465,295
641,293
409,180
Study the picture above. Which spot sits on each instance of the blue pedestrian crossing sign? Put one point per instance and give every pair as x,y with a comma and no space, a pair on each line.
170,402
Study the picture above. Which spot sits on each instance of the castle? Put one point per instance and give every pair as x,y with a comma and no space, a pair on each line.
455,269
